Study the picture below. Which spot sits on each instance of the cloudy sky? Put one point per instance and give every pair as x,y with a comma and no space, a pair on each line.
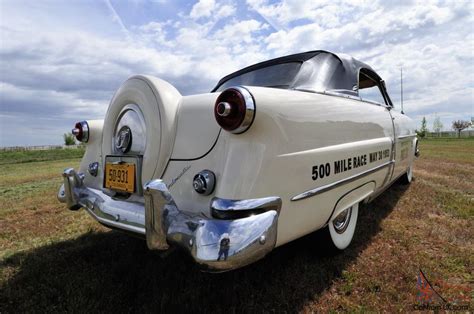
61,61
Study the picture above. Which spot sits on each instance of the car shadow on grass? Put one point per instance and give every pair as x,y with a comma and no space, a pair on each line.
112,271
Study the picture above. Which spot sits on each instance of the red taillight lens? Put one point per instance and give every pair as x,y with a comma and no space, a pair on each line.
81,131
235,109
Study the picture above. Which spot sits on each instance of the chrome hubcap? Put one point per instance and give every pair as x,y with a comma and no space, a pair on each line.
123,139
130,131
341,222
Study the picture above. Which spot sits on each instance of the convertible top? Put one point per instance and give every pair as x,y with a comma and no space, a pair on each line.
320,70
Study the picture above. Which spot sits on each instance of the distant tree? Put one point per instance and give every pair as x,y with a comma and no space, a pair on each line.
460,125
69,139
422,132
437,125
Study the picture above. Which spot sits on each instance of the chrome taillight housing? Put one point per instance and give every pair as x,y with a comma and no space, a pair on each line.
235,109
81,131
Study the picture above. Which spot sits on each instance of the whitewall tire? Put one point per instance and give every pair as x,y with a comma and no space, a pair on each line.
408,176
342,227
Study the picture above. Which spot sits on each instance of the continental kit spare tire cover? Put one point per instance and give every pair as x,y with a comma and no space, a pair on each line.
146,107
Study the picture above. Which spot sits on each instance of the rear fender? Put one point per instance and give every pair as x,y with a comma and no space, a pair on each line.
353,197
92,153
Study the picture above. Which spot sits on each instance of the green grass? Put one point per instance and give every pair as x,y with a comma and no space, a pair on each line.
54,260
458,204
456,150
18,173
30,215
13,157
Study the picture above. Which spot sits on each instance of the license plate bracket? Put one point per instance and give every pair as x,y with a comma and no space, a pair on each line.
123,174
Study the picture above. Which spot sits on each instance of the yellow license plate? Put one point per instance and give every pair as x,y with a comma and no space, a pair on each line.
120,177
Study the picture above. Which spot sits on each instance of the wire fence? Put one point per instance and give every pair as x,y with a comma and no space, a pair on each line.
452,134
41,147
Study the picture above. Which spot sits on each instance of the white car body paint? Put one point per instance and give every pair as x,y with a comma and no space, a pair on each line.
320,153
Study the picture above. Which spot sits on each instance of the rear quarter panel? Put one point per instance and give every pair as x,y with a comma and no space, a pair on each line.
295,133
292,133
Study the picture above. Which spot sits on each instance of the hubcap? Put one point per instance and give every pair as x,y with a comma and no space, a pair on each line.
130,131
341,222
123,139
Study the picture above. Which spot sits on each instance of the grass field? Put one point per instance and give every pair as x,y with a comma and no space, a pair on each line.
54,260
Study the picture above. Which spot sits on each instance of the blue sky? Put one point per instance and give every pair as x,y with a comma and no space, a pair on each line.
61,61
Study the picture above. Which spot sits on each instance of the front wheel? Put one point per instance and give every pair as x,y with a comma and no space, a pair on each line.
342,227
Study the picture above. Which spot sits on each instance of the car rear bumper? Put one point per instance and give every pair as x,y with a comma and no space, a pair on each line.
216,244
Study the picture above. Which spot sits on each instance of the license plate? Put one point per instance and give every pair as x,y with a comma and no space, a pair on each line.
120,177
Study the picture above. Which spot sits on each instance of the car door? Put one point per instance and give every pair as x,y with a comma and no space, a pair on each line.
371,89
404,142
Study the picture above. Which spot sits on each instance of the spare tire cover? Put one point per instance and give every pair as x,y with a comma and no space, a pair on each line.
147,106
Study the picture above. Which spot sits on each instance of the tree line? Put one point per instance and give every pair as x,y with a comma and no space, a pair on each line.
457,125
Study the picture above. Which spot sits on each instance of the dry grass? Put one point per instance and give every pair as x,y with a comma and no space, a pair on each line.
55,260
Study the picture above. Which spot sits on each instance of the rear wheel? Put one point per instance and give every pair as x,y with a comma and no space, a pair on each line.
408,176
342,227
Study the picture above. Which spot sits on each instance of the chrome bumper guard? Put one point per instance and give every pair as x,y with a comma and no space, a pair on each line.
215,244
417,152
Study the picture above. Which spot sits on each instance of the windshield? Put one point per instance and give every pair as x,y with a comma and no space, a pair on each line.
278,76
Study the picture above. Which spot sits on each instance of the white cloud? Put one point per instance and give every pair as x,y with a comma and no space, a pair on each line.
225,11
67,58
202,9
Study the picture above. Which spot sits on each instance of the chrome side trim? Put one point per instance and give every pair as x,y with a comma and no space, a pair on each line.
231,209
333,185
405,136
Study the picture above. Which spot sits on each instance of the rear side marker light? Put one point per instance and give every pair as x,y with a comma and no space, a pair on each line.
235,109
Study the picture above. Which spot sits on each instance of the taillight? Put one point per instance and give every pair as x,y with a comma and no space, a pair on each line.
235,109
81,131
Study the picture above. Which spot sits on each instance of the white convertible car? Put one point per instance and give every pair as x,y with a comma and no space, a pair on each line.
277,150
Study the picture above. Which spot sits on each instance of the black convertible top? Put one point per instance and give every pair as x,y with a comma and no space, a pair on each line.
320,70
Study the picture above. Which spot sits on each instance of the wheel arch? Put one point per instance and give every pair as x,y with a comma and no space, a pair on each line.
352,197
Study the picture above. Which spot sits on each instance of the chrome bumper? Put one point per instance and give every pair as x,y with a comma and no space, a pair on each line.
216,244
417,152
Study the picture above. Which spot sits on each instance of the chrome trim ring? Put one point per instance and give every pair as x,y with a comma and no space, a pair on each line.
341,222
85,131
249,110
